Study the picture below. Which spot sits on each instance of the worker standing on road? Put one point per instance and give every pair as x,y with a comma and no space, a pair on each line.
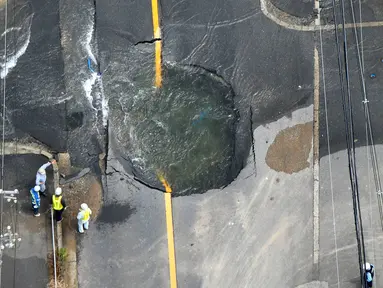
369,270
41,176
35,195
83,218
58,204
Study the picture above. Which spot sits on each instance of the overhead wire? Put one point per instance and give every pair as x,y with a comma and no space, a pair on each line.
349,134
369,130
329,156
3,124
16,210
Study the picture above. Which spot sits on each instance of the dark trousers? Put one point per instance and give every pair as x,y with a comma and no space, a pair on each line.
58,214
35,210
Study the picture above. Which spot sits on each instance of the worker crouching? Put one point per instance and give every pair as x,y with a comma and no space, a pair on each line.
83,218
58,204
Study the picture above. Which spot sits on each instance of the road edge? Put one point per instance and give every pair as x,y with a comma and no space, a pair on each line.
316,166
65,235
14,148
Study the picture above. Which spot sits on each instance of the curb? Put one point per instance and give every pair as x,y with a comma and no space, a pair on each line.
67,236
316,187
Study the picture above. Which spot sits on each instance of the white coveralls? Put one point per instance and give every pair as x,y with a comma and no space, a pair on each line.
83,219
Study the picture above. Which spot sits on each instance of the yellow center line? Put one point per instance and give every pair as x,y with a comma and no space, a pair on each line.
158,43
170,232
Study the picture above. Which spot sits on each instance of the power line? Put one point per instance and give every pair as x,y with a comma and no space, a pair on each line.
367,117
3,124
349,133
329,156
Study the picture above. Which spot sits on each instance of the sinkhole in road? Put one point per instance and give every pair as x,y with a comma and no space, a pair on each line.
187,130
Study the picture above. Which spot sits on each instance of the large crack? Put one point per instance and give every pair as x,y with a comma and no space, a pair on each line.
252,140
136,178
151,41
127,177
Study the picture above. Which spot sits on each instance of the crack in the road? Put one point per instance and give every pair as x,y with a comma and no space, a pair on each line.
123,173
151,41
252,140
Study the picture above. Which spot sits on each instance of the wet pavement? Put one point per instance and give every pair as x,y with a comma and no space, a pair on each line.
34,85
344,250
194,39
298,8
127,243
223,237
26,266
372,64
371,11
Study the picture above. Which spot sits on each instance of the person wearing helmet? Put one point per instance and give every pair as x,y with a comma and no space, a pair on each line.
41,176
58,204
369,273
35,195
83,218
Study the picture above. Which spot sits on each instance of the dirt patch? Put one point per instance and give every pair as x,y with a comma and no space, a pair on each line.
87,190
291,149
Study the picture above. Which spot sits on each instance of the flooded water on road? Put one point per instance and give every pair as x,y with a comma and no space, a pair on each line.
186,130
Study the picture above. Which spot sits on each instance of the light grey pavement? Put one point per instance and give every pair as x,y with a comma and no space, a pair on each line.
233,237
27,265
262,223
346,250
256,232
127,244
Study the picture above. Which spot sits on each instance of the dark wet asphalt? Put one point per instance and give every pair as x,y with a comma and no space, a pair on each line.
268,67
298,8
127,243
35,85
30,267
372,63
271,74
45,99
265,66
371,11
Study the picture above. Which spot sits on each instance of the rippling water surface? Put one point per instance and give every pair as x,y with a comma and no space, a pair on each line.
186,130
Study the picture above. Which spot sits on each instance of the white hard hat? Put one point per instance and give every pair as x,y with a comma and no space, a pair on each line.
368,266
37,188
58,191
41,171
84,206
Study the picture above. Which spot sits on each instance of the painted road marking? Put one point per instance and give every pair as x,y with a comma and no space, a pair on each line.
170,232
316,157
158,43
289,21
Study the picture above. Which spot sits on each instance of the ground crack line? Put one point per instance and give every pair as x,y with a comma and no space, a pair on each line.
151,41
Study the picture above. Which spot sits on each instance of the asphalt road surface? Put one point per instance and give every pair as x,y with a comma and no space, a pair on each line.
223,238
26,266
237,235
263,221
338,249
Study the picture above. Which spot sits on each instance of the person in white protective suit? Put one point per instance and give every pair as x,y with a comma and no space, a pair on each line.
83,218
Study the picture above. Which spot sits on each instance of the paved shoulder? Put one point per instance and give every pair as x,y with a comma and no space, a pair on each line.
25,265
